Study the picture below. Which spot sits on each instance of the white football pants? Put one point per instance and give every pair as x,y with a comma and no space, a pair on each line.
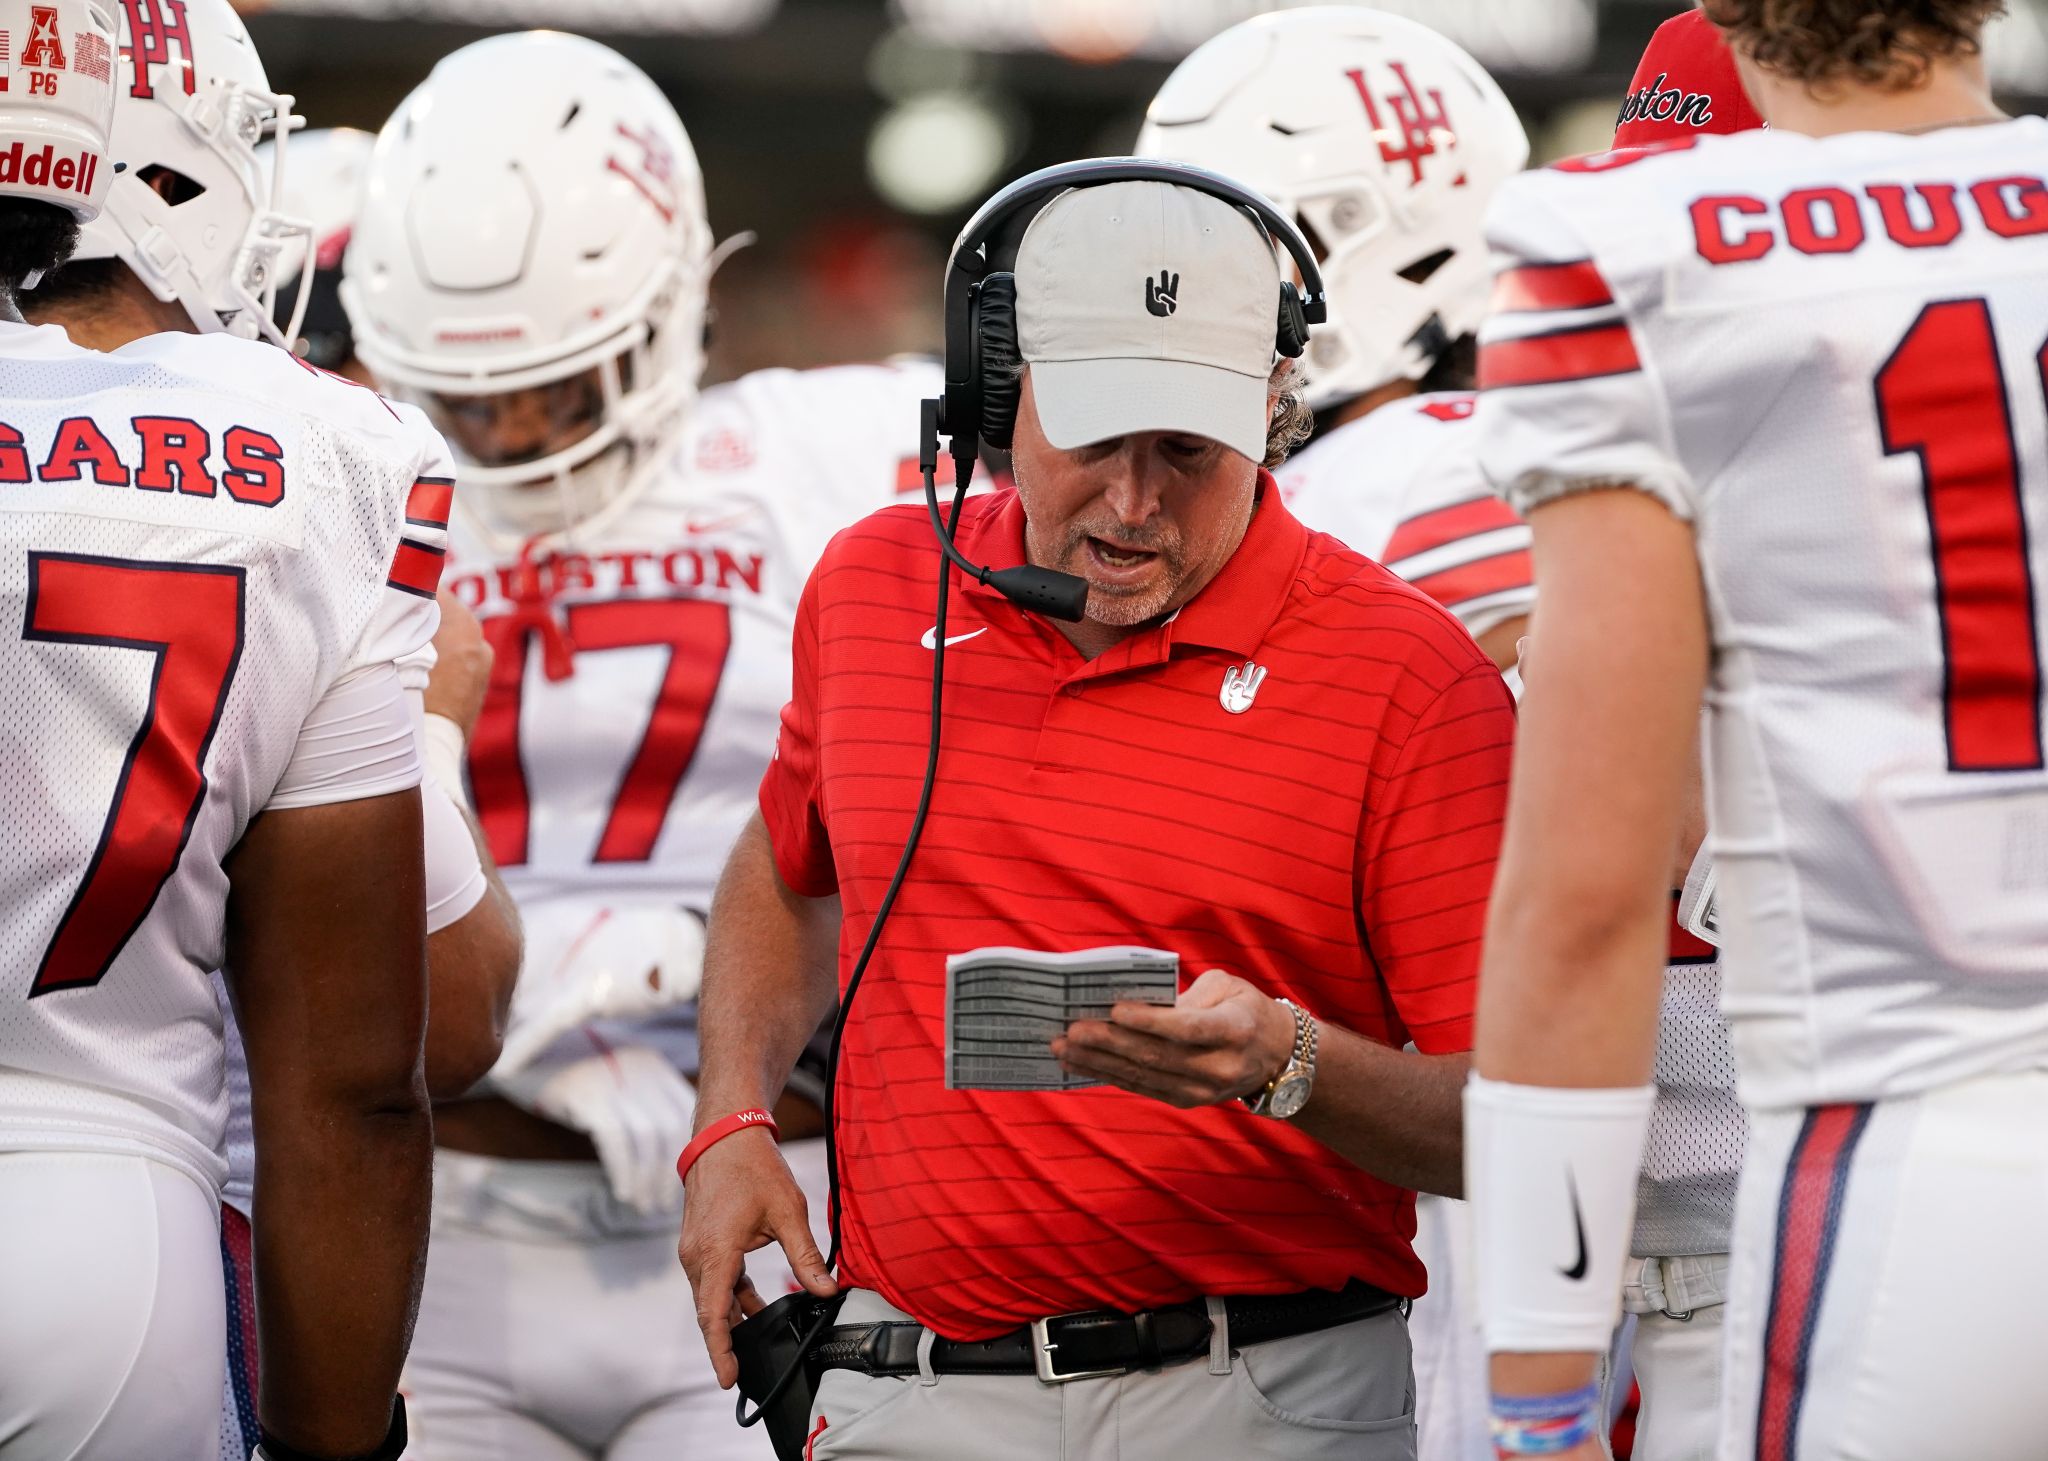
112,1328
556,1327
1675,1344
1889,1280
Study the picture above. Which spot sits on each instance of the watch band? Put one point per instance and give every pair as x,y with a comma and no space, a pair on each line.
1303,1053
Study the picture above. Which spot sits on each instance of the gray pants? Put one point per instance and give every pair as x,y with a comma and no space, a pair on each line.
1347,1392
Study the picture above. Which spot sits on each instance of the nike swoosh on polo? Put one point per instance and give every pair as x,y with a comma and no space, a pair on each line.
1578,1270
931,636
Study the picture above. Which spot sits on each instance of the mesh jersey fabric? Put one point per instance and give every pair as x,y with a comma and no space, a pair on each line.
1402,486
200,539
1824,354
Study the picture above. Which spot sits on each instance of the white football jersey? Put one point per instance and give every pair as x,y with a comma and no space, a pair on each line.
1402,485
1826,355
641,674
208,549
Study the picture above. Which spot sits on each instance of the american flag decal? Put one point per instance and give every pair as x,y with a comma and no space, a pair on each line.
6,57
92,57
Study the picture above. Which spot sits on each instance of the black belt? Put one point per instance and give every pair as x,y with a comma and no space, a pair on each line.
1099,1342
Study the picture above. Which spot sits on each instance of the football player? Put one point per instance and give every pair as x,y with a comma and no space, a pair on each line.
531,265
1385,141
195,230
1775,406
217,561
1676,1280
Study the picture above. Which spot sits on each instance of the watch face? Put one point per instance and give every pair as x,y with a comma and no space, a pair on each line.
1290,1096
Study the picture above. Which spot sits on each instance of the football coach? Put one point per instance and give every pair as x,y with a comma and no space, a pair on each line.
1257,750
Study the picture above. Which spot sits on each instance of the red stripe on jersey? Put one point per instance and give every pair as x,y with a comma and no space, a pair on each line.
427,505
1688,947
416,568
1809,1217
1563,355
1475,580
1430,530
1535,288
910,474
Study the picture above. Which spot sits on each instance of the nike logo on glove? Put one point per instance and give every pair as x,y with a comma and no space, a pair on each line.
931,636
1578,1270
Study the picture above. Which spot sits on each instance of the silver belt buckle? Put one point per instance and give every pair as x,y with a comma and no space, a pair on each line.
1042,1346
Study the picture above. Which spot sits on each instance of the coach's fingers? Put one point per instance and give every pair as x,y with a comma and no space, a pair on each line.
792,1228
747,1299
712,1285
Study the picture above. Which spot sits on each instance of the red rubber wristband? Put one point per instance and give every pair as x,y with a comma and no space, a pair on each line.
718,1131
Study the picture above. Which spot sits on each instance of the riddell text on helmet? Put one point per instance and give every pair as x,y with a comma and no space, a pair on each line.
21,166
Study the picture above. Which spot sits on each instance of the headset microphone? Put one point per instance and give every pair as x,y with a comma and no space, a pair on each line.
1039,590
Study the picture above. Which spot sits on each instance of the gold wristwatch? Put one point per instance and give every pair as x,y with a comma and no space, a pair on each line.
1285,1095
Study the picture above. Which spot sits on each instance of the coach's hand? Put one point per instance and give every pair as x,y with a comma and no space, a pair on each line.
1222,1040
740,1196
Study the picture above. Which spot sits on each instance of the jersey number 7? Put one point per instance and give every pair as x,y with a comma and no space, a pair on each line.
188,617
697,634
1942,396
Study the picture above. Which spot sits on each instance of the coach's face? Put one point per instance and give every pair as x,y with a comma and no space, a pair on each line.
1148,519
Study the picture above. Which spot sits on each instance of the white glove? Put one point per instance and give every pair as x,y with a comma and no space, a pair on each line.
584,964
635,1107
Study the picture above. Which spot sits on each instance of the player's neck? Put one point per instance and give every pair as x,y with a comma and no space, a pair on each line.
1955,93
8,312
119,316
1359,407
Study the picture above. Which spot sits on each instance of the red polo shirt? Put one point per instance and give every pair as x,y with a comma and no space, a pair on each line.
1334,843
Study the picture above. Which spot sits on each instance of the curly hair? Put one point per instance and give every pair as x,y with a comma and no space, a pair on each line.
1885,44
34,237
1292,422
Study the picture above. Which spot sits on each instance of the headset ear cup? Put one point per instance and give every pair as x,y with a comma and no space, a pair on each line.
1292,337
998,359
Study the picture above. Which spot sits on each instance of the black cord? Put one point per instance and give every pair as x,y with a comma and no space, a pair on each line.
867,952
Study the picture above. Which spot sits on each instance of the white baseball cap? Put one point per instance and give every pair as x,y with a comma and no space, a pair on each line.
1147,306
57,102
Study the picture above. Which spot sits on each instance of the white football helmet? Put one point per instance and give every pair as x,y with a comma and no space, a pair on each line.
1386,142
329,168
534,223
194,105
56,116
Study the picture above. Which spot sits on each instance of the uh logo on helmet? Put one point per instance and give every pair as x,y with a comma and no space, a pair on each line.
154,26
1385,141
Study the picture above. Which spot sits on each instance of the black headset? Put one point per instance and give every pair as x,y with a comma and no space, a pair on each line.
983,356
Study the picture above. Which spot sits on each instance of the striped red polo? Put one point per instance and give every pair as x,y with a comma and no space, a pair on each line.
1333,843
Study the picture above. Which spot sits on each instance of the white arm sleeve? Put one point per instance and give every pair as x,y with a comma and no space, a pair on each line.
455,878
357,742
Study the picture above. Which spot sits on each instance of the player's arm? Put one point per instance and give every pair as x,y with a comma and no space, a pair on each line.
326,960
1579,926
1578,437
473,960
770,978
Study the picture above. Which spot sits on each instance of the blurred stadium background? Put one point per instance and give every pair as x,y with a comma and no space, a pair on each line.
854,136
